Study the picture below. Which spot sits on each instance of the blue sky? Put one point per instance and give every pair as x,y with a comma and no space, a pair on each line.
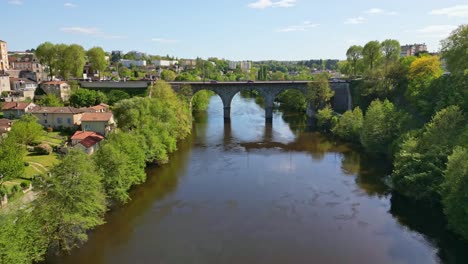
237,30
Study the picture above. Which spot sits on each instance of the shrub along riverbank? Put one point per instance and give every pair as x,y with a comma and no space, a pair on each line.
77,192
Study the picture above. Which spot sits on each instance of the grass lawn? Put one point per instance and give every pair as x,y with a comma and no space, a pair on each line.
47,162
53,138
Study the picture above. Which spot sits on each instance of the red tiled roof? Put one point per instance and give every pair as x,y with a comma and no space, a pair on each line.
80,135
96,117
91,140
15,106
63,110
99,107
54,82
5,124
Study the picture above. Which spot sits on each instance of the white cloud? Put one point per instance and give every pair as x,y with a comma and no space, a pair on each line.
356,20
454,11
69,5
379,11
262,4
15,2
436,31
164,40
89,31
306,25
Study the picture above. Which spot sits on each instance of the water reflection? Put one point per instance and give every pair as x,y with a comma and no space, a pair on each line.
247,192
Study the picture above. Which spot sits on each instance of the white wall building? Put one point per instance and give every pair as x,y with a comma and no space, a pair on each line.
164,63
136,63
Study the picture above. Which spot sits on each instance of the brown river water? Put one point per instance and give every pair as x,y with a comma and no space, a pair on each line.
247,192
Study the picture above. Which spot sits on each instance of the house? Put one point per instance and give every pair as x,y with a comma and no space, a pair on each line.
136,63
101,123
81,135
100,108
87,141
5,126
14,110
4,65
60,89
58,117
17,84
4,83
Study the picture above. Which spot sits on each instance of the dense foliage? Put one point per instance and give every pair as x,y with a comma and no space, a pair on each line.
87,98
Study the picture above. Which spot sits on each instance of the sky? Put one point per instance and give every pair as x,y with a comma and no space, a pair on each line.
234,30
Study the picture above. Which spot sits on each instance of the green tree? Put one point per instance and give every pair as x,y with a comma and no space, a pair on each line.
87,98
11,159
26,130
122,160
354,54
382,124
454,50
21,239
278,76
72,201
371,54
318,93
326,119
349,125
201,100
46,53
75,57
391,50
420,162
168,75
454,195
115,96
97,58
50,100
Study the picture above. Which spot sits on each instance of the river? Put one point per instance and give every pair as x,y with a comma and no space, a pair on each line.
247,192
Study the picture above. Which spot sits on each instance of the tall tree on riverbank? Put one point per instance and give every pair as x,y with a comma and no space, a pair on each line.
97,58
454,50
391,50
318,93
371,53
354,54
72,201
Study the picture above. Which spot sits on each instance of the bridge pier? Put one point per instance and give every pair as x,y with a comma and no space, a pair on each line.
268,114
227,114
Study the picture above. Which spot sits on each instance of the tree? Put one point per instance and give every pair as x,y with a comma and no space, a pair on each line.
349,125
421,160
75,57
50,100
87,98
391,50
201,100
11,159
277,76
422,72
382,124
454,196
26,130
354,54
122,160
72,201
97,58
318,93
46,54
115,96
21,239
454,50
371,53
168,75
326,119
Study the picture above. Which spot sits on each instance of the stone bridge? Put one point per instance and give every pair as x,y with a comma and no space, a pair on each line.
269,91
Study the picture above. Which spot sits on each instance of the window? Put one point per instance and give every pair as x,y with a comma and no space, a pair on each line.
87,127
59,120
45,121
69,121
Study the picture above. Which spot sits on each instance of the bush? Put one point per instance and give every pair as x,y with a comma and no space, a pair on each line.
3,191
43,149
24,184
349,125
326,119
15,189
26,164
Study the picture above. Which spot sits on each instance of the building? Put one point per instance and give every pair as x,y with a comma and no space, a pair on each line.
136,63
4,83
4,65
100,108
17,84
60,89
13,110
58,117
101,123
138,55
189,63
117,53
5,126
27,66
233,65
245,66
87,141
412,50
164,63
